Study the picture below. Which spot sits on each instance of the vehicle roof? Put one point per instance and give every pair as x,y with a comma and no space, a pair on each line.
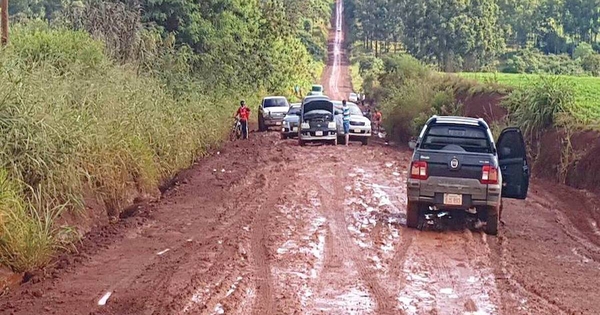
295,104
272,97
458,120
315,97
318,85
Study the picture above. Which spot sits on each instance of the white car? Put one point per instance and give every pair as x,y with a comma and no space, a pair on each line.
360,126
316,89
271,111
353,97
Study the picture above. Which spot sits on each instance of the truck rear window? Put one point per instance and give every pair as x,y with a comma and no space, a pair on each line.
470,139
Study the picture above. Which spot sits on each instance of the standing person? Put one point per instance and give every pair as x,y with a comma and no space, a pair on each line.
346,112
377,117
243,113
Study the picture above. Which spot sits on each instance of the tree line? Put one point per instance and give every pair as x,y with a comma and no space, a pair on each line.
260,44
473,34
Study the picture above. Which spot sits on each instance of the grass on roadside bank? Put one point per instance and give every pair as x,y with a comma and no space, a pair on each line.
409,92
73,124
585,90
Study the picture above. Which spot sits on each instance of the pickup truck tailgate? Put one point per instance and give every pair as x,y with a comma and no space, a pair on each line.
439,164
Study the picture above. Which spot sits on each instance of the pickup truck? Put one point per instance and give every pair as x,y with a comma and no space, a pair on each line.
456,166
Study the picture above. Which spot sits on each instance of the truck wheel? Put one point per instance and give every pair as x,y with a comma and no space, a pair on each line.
491,226
283,136
412,214
341,140
365,141
301,142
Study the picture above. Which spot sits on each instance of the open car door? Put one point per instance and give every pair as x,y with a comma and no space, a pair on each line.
512,157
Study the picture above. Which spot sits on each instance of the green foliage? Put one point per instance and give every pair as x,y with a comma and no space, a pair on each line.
534,61
591,64
106,103
582,51
409,93
57,48
536,106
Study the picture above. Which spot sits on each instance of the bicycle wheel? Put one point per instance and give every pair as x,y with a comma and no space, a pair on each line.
233,134
238,131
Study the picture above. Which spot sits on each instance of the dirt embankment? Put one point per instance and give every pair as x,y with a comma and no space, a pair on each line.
558,155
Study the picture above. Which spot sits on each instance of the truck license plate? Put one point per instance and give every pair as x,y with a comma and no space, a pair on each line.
453,199
278,123
318,133
294,128
357,130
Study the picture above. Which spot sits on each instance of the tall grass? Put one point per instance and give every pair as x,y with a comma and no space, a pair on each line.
541,104
72,123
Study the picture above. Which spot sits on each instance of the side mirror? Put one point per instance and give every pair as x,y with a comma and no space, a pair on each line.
412,144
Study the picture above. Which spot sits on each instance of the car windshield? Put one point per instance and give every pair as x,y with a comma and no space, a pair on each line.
317,88
354,110
469,138
294,111
275,102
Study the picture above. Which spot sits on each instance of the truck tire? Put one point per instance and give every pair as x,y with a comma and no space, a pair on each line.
283,136
301,142
365,141
413,211
492,221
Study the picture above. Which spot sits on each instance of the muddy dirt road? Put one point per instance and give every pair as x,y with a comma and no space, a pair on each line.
268,227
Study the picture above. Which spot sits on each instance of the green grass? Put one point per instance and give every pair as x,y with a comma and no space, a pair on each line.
74,125
586,90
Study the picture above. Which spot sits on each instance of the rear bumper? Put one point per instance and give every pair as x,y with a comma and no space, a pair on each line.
432,190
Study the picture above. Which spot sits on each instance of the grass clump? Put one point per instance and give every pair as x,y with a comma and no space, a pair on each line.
540,105
585,109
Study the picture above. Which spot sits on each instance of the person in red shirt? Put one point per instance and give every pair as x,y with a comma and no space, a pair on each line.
243,113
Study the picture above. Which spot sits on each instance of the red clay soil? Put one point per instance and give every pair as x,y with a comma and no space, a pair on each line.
486,106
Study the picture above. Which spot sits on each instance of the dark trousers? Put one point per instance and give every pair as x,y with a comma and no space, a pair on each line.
244,124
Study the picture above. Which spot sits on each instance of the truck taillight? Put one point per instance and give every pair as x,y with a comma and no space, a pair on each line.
489,175
418,170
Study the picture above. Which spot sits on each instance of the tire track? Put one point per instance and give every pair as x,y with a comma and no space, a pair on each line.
345,247
265,303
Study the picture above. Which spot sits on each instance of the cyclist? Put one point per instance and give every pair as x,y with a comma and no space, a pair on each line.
243,114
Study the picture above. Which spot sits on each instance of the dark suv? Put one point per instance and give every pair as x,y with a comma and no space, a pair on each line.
457,166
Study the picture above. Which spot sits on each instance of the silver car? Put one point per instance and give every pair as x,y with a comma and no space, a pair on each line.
291,120
271,111
360,126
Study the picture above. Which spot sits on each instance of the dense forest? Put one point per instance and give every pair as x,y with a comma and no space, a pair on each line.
541,36
103,102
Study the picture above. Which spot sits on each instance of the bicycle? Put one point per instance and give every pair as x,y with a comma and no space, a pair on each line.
236,131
